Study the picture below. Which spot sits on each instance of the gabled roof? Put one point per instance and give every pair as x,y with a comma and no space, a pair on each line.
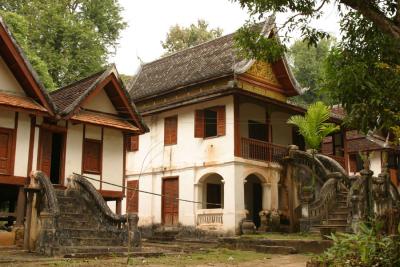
211,60
69,99
23,71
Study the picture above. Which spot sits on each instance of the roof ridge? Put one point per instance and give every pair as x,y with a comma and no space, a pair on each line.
188,48
78,81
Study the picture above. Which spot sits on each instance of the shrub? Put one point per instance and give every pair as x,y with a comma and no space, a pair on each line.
368,247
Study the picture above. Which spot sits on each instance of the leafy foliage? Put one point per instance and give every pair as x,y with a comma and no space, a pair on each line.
72,39
368,247
362,71
179,37
313,126
308,65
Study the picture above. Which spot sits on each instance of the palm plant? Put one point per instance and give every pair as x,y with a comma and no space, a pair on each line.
313,126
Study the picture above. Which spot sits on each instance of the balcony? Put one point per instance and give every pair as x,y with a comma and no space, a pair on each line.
262,151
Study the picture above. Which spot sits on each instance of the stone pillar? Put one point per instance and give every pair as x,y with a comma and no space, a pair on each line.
274,190
134,238
266,196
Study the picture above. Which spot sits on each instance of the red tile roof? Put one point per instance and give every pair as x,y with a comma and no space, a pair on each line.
104,120
23,102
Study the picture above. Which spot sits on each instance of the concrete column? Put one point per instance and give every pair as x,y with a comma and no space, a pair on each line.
274,189
266,196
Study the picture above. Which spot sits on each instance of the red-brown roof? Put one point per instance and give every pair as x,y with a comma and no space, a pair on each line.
22,69
20,102
104,120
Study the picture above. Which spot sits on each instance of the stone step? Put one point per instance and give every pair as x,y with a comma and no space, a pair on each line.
91,233
285,250
77,223
99,253
335,221
90,241
90,249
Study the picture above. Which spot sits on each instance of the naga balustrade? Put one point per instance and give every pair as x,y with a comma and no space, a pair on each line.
262,151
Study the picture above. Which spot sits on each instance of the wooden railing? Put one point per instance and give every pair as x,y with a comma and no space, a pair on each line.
210,217
263,151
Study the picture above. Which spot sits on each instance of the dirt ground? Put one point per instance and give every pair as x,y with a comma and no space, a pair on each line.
272,261
216,257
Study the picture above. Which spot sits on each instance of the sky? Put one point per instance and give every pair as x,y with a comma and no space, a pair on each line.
149,21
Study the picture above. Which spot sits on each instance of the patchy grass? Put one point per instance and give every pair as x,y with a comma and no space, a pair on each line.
221,255
285,236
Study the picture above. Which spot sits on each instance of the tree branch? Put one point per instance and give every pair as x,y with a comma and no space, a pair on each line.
375,15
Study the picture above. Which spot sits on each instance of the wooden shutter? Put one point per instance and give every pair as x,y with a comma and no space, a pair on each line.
6,151
353,162
92,155
132,143
171,130
132,197
221,121
46,142
199,124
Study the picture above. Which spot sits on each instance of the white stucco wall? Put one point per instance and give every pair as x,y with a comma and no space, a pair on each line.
189,151
113,158
22,145
281,131
376,163
250,111
7,119
101,102
8,83
73,153
193,159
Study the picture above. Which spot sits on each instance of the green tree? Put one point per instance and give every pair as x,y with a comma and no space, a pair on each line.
179,37
72,38
362,71
313,126
307,65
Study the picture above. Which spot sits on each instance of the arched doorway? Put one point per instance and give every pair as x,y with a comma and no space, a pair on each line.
253,198
213,192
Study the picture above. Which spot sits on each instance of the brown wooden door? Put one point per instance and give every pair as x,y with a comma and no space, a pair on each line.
6,151
170,203
44,163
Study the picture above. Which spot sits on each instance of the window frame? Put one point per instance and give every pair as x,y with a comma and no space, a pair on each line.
200,122
132,146
100,159
11,152
169,139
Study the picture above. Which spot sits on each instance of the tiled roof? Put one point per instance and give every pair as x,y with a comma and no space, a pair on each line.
208,61
17,101
66,98
104,120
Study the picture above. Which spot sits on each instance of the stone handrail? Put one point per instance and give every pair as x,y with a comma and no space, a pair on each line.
327,198
332,165
39,180
304,158
79,182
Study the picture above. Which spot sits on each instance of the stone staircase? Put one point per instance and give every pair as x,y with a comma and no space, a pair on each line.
81,230
77,221
337,219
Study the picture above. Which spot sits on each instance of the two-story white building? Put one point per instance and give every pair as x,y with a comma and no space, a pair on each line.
217,133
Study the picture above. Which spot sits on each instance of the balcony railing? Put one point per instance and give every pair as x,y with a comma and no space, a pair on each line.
263,151
206,217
